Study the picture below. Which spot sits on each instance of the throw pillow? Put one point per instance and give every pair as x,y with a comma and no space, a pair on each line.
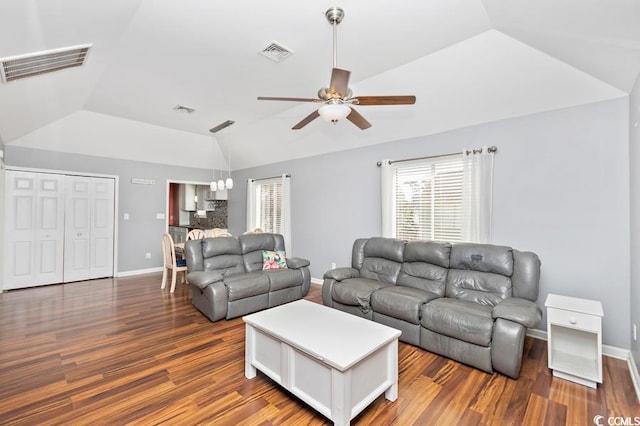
273,260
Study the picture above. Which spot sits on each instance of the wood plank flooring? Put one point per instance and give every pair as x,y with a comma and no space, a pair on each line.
122,351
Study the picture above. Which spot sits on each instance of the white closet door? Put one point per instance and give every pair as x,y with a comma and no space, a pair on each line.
102,218
77,229
34,223
89,228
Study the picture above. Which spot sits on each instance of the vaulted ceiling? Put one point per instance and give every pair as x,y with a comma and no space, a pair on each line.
467,62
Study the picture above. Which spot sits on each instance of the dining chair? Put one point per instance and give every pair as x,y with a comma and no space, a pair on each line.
170,263
195,234
254,231
216,232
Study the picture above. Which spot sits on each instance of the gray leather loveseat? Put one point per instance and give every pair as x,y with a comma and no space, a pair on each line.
227,277
470,302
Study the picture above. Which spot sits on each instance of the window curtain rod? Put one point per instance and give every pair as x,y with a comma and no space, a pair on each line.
272,177
469,151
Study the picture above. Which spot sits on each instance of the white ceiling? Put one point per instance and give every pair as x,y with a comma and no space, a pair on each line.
467,62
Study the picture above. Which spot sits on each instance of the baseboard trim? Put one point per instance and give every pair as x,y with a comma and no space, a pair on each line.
138,272
635,376
316,281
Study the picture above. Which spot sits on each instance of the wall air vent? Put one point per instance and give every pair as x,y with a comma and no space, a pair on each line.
276,52
221,126
32,64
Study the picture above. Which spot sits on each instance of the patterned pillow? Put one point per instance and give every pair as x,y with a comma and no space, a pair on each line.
273,260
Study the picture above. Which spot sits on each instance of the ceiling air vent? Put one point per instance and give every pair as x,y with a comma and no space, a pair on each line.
276,52
32,64
221,126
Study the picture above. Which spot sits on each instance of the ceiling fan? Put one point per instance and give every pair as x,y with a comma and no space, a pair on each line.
337,99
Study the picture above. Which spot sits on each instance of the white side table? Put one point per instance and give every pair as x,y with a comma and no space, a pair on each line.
574,339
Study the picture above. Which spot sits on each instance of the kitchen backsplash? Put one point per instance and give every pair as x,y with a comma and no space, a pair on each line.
216,218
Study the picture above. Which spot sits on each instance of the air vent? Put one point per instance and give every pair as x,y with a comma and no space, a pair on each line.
276,52
183,108
32,64
221,126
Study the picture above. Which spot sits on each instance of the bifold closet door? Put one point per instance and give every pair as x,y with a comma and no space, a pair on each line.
89,223
34,229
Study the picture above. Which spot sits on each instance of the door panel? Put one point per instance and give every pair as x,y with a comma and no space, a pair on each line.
102,224
77,232
33,229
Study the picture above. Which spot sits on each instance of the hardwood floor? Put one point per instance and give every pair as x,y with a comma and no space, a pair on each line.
122,351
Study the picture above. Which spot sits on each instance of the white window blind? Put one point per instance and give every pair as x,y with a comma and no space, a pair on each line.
269,205
427,199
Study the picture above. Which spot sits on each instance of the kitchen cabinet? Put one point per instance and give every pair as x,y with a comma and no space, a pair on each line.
217,195
188,197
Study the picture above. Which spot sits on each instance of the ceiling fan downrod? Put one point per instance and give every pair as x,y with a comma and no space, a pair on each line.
334,16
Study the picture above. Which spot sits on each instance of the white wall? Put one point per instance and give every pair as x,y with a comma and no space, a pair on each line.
142,232
634,160
561,190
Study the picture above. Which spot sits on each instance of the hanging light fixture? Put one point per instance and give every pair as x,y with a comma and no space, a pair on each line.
229,181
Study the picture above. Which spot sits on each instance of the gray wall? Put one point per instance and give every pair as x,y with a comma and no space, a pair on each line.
634,157
561,189
141,233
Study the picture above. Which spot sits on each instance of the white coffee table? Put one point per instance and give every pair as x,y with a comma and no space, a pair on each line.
336,362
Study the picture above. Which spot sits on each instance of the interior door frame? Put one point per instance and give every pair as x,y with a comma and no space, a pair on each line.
98,175
167,213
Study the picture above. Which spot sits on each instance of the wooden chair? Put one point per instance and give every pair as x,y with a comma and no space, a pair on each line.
169,256
254,231
195,234
216,232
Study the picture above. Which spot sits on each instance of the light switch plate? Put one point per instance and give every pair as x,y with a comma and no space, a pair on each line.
125,216
159,215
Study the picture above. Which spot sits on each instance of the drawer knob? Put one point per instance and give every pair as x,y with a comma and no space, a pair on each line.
573,320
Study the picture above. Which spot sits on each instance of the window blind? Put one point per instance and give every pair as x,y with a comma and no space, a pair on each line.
270,194
427,197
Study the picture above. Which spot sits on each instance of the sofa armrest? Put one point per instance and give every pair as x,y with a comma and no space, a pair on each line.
202,279
297,262
518,310
340,274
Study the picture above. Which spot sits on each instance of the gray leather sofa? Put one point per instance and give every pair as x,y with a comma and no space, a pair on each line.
469,302
227,279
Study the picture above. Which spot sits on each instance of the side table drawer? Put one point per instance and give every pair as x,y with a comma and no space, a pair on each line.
577,320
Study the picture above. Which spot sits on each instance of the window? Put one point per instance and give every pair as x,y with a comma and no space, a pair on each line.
444,198
268,207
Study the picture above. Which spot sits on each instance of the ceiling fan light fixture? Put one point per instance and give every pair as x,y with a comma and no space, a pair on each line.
333,113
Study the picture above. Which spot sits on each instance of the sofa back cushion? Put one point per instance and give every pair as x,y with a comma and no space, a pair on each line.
480,273
252,246
425,266
222,255
382,259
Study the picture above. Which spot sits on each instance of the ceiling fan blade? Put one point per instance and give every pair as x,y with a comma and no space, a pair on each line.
385,100
308,119
339,82
357,119
272,98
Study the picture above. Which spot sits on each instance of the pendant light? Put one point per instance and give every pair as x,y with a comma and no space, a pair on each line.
229,181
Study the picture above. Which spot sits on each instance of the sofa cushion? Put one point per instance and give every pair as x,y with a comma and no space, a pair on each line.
400,302
423,276
479,287
356,292
433,252
283,278
482,258
382,259
460,319
245,285
224,264
252,246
